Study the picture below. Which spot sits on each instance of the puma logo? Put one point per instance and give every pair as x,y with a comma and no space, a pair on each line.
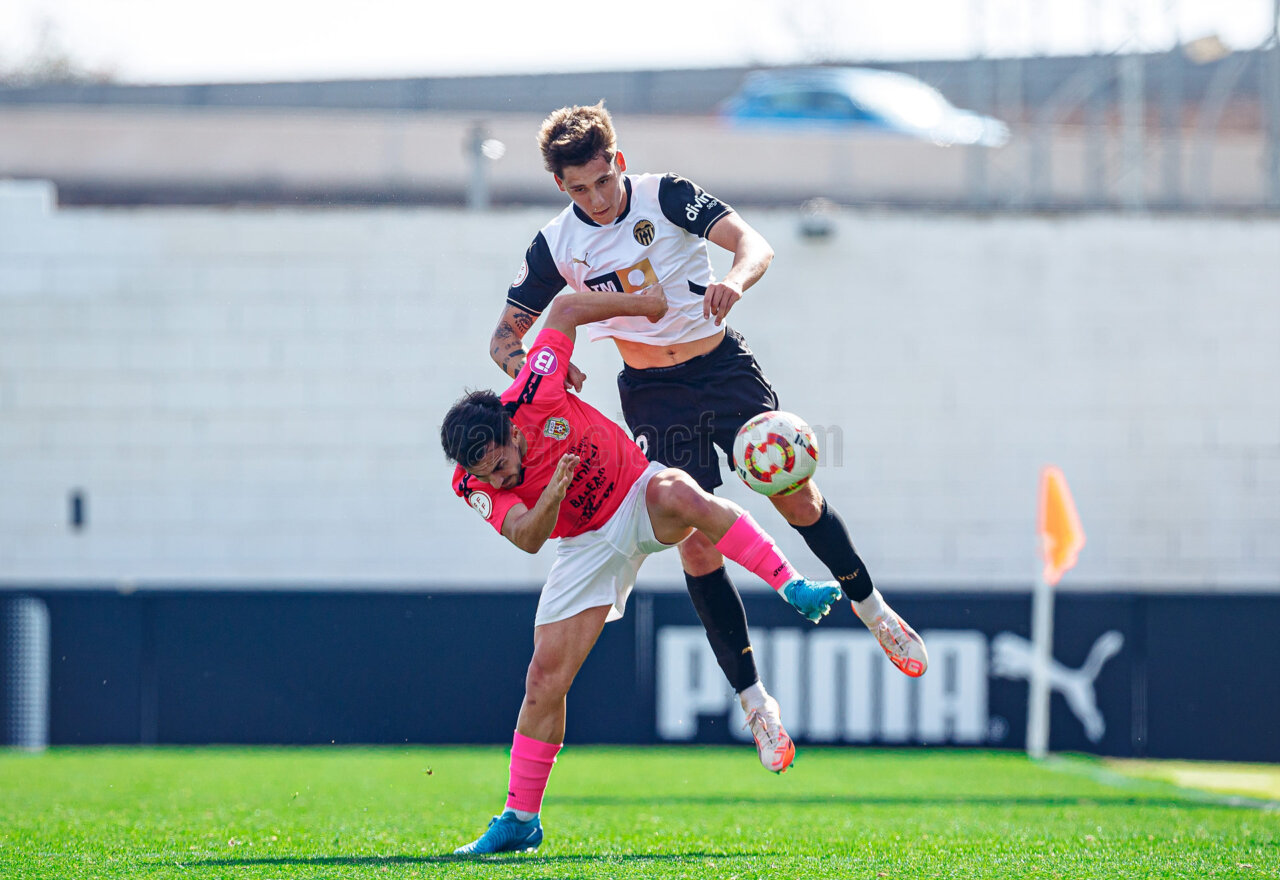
1011,658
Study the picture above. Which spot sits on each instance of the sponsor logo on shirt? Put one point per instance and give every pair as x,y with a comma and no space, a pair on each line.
556,428
543,362
627,280
694,208
522,274
480,502
643,232
591,481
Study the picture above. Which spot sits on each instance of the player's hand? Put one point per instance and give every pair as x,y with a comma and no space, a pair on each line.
574,379
658,296
562,477
719,299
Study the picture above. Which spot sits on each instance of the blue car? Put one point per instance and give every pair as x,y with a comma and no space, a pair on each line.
859,98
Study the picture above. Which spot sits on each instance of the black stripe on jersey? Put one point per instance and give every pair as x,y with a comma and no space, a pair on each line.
542,280
688,205
526,393
697,289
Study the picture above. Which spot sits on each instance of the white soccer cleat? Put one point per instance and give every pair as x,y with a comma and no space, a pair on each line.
901,643
775,747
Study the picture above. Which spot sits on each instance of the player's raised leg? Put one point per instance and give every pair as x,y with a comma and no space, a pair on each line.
824,531
559,650
677,504
724,618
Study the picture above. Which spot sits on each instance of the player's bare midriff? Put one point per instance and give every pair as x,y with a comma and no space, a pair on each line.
642,356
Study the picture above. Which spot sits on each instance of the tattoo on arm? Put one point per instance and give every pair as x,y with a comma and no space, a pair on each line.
523,321
507,351
518,356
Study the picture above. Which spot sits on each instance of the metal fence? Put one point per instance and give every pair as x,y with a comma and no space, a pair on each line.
1188,129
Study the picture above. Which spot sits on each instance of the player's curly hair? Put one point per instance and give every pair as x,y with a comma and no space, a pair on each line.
576,135
477,419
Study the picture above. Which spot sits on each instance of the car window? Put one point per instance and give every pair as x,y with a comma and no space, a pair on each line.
804,103
910,102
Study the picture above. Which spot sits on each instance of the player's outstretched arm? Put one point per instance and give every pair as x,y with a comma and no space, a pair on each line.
506,347
752,255
530,527
568,311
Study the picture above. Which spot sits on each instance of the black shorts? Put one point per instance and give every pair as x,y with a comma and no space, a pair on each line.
680,414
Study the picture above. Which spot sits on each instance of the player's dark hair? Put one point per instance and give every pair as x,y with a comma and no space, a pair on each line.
576,135
476,420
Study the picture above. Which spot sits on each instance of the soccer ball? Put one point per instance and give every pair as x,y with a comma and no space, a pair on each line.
775,453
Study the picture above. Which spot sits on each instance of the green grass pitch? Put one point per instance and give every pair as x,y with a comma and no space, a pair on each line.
610,813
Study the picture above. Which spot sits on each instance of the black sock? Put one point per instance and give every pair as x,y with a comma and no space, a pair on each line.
829,541
720,609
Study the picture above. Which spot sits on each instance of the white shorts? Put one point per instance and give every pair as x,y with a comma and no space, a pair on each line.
599,567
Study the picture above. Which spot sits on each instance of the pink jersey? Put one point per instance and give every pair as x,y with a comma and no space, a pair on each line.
554,423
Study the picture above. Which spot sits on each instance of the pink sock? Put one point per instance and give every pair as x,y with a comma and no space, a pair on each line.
531,762
747,544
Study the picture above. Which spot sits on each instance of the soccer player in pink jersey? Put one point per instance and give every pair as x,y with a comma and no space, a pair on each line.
539,463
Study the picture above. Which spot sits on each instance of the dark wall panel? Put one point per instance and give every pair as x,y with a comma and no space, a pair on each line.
1134,674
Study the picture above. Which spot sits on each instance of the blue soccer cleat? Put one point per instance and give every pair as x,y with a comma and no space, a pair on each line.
813,599
506,834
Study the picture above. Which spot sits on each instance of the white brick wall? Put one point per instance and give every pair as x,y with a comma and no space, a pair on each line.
252,396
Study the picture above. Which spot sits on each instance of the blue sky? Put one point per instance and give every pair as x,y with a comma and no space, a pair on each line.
246,40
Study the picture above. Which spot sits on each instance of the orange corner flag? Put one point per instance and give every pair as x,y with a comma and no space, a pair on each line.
1061,536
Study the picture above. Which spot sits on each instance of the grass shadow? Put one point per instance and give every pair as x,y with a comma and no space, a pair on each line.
511,859
1164,802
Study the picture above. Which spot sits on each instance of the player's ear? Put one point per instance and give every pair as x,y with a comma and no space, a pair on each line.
559,182
621,160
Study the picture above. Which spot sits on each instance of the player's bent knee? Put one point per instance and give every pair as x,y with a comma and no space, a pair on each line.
698,556
544,682
802,508
675,494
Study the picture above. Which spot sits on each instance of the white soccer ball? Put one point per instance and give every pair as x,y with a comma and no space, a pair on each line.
775,453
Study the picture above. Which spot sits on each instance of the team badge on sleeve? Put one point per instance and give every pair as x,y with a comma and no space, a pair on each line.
556,428
481,503
522,274
543,362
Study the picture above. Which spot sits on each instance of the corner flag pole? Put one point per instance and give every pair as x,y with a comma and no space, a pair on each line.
1061,538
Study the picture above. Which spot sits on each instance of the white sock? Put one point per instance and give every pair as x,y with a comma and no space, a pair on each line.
753,697
870,609
523,815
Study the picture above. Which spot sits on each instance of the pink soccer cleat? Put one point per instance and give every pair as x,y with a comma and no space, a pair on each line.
900,642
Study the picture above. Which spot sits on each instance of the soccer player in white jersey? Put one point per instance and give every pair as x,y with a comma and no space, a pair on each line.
540,463
689,382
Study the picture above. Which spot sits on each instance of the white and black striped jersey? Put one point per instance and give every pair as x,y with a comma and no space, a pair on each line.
659,238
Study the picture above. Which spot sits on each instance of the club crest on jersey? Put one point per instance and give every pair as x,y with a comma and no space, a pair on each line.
556,428
543,362
480,502
643,232
522,274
